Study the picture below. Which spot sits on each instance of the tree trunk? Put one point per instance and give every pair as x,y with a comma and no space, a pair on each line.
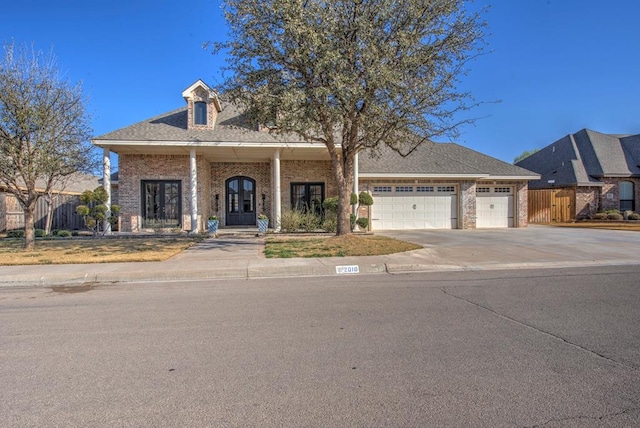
29,233
344,210
345,188
49,217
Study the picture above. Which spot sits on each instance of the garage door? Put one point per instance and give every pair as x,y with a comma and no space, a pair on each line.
494,207
414,207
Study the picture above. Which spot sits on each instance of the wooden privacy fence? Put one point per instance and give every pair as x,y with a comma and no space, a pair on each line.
551,205
64,213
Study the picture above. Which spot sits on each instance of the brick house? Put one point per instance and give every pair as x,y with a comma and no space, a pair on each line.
178,168
601,171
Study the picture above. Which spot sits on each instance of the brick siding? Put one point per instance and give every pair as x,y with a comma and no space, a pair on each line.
135,168
258,171
212,179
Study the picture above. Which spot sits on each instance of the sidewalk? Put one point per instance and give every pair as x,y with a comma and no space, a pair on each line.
451,250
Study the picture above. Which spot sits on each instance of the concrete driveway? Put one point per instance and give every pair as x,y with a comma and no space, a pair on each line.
527,246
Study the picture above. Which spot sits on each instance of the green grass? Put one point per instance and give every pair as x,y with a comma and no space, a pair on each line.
334,246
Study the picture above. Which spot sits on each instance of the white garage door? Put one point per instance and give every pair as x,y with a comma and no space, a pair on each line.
414,207
494,207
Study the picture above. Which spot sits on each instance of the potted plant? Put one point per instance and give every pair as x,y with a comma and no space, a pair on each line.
212,225
263,223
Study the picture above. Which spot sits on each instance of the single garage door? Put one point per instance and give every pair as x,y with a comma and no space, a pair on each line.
414,207
494,207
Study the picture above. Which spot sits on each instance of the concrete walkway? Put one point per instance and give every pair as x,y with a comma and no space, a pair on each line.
443,250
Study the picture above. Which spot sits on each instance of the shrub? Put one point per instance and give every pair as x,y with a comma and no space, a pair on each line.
65,233
331,204
290,221
363,223
39,233
15,233
94,211
310,221
615,216
330,224
600,216
75,233
634,216
365,199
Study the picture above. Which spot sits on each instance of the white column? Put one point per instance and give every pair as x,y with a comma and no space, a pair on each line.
193,175
277,193
106,185
355,181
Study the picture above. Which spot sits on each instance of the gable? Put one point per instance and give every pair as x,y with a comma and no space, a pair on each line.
584,158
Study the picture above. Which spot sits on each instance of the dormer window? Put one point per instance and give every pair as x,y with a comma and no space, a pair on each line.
203,106
200,116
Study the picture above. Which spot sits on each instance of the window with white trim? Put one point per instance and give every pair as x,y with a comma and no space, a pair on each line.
483,189
200,113
381,189
502,190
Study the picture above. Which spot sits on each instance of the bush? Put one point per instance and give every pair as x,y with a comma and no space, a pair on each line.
290,221
39,233
634,216
15,233
363,223
330,224
310,221
65,234
365,199
600,216
75,233
331,204
615,216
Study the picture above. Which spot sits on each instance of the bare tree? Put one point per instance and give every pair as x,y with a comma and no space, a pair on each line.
352,75
44,129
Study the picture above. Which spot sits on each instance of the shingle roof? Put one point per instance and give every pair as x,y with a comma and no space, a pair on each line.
439,158
584,158
431,158
172,126
75,184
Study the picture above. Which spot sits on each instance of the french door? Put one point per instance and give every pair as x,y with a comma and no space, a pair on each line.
161,203
240,201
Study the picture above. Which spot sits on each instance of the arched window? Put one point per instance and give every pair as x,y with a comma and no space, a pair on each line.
200,114
627,202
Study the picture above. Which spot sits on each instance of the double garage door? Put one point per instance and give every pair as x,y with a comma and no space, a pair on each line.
436,207
414,207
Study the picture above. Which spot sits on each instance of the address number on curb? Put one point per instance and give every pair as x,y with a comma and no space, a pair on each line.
347,269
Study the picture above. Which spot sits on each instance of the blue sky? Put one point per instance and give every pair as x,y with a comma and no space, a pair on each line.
556,66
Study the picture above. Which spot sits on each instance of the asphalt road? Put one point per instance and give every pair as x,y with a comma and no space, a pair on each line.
549,348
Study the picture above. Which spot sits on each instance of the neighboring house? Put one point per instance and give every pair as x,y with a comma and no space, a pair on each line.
65,200
593,171
177,169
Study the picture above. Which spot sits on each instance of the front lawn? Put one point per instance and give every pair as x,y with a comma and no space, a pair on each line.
610,225
66,251
334,246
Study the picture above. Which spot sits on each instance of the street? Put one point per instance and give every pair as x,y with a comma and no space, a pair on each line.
518,348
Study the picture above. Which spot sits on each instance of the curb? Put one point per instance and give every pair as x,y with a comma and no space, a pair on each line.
256,272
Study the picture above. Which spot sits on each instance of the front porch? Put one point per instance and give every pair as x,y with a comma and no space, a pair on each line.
179,191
